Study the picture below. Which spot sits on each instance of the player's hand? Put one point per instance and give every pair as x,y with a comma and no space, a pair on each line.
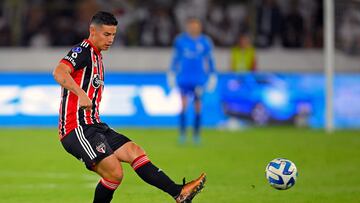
211,84
85,102
171,80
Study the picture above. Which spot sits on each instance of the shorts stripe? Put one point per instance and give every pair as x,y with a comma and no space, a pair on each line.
84,143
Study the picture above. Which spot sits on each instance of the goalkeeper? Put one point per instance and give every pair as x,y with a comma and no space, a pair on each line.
192,69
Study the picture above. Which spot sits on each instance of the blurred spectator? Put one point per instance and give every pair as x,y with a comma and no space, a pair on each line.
293,27
225,22
5,33
35,30
158,28
268,19
85,9
189,8
63,32
350,30
318,25
217,25
243,55
130,15
307,9
13,12
298,23
40,39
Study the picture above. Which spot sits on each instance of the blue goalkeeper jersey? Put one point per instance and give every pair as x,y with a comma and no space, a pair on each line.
192,60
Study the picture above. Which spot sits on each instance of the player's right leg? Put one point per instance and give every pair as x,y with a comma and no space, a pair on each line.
90,146
182,116
111,172
197,117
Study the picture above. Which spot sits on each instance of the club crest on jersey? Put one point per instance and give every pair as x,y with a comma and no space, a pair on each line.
199,47
101,148
77,50
96,81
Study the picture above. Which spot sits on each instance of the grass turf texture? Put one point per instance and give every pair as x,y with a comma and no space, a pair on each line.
35,167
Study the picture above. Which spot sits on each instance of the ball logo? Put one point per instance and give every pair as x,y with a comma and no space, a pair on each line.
96,81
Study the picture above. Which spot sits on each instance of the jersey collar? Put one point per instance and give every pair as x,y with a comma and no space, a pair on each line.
192,37
95,49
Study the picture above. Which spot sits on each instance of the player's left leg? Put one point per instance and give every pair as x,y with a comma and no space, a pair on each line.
135,155
182,117
197,115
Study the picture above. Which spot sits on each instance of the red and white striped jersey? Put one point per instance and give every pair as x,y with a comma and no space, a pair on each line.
85,60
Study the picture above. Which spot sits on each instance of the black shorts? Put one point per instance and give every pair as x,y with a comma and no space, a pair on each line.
92,143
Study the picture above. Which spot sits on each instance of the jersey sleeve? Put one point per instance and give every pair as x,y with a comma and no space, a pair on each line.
209,54
176,55
77,58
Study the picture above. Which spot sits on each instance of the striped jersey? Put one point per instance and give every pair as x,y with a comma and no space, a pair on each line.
85,60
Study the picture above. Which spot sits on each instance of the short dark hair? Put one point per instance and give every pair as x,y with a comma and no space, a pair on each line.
103,18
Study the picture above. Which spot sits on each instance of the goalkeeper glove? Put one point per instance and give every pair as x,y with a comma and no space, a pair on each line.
171,79
211,84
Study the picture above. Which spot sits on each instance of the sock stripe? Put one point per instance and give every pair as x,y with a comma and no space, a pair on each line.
140,161
111,185
135,160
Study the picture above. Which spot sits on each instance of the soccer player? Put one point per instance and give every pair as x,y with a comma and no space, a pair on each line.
82,134
191,68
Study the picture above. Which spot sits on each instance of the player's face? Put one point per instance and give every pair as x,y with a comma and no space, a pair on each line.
193,27
244,41
103,36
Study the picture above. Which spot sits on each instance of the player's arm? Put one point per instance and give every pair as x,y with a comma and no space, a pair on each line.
62,76
212,81
210,57
174,65
176,57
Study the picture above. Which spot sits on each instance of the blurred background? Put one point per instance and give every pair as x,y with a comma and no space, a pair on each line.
279,86
285,84
270,23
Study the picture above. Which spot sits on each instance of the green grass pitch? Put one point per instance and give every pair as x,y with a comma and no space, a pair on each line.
35,167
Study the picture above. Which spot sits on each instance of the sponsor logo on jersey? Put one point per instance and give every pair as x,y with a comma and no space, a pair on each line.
96,81
71,60
74,55
101,148
77,50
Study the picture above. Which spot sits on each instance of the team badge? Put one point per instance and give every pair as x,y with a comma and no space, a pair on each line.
96,81
77,50
199,47
101,148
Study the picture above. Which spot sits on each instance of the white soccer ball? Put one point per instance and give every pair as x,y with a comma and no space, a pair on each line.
281,173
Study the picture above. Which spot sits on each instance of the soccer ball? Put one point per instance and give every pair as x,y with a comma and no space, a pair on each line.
281,173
